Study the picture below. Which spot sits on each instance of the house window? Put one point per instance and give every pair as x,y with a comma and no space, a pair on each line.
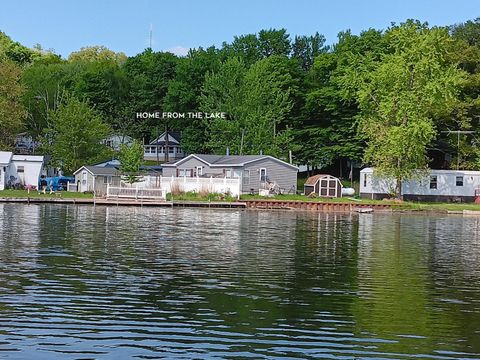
246,177
228,173
364,180
20,169
237,174
185,172
433,182
171,150
107,179
199,170
459,180
84,178
263,175
147,149
153,149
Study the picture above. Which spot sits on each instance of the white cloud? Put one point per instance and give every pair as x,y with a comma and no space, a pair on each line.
179,50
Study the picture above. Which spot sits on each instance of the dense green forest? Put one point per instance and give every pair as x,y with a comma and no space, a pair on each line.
387,98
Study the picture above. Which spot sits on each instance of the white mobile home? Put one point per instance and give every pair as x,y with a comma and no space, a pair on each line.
437,185
20,170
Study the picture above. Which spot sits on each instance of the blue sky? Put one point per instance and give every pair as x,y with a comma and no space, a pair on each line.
123,25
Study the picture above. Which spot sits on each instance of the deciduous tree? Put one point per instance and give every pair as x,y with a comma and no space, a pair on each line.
75,136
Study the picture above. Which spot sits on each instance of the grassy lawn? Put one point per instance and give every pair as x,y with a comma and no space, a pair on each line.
35,194
152,162
191,196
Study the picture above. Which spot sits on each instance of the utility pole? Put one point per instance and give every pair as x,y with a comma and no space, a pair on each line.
241,142
458,132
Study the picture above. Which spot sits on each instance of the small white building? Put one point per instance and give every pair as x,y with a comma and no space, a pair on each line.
437,185
20,170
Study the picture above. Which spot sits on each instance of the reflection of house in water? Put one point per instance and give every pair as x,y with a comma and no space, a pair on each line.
19,229
459,252
186,233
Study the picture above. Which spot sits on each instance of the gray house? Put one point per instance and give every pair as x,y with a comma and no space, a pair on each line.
255,171
96,178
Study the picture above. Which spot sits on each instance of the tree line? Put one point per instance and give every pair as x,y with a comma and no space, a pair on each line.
387,98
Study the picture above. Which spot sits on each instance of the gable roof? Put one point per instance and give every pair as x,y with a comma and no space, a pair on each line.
173,138
98,170
227,160
312,180
5,157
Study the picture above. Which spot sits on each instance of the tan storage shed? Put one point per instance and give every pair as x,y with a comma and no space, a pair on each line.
323,185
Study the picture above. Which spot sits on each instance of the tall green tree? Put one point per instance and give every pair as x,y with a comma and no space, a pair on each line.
257,99
149,74
97,54
75,136
131,161
46,84
12,112
401,94
466,114
328,128
105,86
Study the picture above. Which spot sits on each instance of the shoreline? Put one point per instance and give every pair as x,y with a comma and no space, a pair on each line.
251,204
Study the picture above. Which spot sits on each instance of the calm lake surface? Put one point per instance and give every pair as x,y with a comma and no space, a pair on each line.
142,283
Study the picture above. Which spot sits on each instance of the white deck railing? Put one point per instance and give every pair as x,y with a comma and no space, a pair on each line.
72,187
198,184
135,193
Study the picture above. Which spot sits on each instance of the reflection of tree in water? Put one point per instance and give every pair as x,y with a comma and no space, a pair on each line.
398,299
19,241
455,271
306,280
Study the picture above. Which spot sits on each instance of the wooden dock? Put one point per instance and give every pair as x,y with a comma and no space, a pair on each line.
127,202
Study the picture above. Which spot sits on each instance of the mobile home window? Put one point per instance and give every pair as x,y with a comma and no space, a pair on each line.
246,177
433,182
459,180
21,169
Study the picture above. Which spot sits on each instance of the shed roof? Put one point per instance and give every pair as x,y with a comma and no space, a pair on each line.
312,180
97,170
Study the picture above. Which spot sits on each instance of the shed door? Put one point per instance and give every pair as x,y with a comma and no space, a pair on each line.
84,183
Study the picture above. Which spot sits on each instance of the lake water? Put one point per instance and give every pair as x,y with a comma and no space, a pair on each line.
142,283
